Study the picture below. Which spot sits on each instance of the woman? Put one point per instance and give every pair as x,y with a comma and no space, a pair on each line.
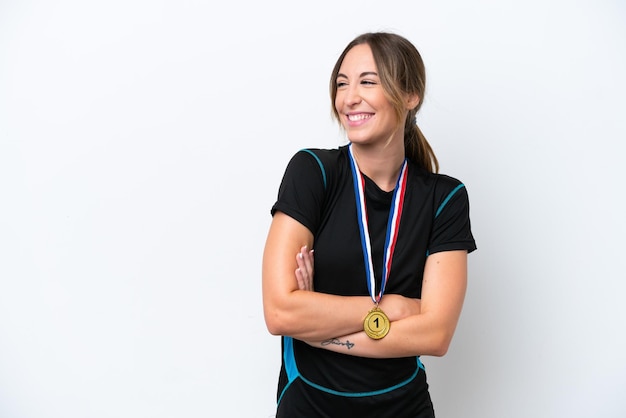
391,237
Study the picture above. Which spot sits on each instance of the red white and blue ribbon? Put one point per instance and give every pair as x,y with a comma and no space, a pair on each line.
393,225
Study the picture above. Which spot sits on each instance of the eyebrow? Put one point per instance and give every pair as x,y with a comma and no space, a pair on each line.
364,74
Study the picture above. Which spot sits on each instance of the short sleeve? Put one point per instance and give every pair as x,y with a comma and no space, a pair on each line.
302,190
451,227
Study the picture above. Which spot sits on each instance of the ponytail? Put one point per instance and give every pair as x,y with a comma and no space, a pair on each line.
417,148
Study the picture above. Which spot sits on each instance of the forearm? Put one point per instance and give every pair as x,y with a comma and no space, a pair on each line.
412,336
315,316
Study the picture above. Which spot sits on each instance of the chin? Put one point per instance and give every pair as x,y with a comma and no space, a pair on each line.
361,141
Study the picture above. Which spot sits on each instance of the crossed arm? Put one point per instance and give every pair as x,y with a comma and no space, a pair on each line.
291,307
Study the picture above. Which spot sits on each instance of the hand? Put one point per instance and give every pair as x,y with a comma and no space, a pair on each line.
304,272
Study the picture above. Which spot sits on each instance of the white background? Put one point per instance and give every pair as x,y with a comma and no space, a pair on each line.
141,147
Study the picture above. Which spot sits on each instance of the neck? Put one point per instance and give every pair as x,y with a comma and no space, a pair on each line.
381,164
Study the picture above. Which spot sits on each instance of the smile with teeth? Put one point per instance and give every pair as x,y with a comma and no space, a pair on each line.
360,116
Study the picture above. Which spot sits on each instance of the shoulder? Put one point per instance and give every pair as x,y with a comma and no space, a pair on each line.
443,189
323,156
323,160
445,184
449,191
309,179
451,216
436,182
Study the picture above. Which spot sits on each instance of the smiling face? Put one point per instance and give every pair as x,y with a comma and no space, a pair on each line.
360,101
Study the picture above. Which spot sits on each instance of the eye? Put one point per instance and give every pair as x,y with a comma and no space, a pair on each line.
369,82
341,84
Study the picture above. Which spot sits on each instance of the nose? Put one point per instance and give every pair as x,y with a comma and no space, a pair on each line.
352,95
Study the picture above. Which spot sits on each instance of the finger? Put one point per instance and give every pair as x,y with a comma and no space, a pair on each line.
305,282
308,262
302,283
304,274
301,261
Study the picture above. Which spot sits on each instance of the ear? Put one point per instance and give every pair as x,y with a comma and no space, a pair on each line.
412,100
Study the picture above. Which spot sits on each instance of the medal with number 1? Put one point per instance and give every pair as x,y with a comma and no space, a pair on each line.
376,324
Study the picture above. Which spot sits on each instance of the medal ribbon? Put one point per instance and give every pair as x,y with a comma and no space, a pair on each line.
393,225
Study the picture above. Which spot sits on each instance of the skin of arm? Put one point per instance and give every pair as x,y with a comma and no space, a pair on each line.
303,314
428,332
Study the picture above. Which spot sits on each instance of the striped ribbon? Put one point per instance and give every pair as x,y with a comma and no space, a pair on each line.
393,225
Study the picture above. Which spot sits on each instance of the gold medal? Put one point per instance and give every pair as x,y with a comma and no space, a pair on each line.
376,324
